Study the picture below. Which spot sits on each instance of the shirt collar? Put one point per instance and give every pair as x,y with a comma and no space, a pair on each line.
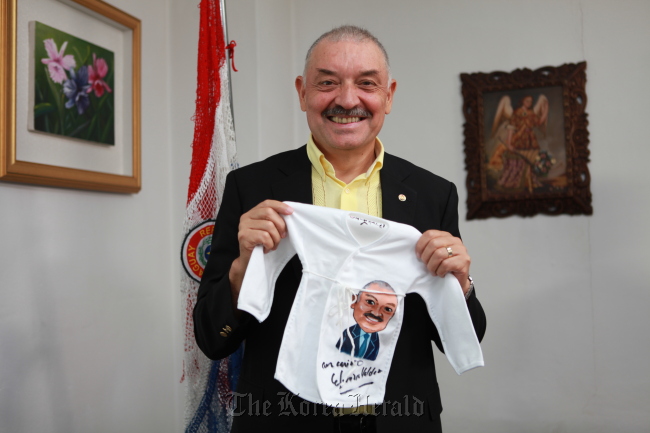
325,168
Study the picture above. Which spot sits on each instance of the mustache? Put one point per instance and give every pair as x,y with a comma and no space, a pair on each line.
377,318
353,112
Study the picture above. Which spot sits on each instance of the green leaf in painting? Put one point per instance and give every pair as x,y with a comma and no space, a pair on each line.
39,92
106,131
79,129
57,99
83,58
91,128
102,100
43,108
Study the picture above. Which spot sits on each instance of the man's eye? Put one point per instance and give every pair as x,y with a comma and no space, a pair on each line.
327,83
388,310
367,83
370,302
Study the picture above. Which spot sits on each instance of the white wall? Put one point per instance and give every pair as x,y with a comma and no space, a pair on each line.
566,345
90,335
88,315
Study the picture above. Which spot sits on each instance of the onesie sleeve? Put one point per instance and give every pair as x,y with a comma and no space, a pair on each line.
446,306
449,223
256,293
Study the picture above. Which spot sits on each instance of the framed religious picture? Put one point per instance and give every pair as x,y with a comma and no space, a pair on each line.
526,142
70,103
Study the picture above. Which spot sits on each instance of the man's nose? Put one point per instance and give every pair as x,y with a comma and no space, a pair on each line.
347,97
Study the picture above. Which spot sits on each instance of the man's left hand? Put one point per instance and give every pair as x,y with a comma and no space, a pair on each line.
442,253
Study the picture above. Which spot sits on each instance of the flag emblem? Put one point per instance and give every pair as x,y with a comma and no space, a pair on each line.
196,249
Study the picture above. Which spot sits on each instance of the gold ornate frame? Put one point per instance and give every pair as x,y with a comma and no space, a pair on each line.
14,170
574,197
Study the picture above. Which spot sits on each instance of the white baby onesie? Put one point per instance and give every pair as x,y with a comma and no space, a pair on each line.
339,340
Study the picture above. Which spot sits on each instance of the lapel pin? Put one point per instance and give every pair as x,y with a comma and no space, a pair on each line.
402,197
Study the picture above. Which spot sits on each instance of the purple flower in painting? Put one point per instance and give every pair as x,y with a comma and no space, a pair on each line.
96,74
57,63
76,89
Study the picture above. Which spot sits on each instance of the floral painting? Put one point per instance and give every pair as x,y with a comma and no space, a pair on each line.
73,86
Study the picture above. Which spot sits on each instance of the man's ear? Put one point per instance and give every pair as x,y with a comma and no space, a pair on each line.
391,92
300,88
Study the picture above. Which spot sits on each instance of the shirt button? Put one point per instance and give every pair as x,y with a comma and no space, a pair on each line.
347,190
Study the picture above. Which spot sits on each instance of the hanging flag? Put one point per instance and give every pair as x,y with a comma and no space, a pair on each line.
209,383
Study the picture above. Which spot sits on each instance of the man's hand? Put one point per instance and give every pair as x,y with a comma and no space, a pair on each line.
434,248
262,225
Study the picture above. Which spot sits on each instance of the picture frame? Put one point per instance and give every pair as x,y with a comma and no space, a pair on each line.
44,159
526,142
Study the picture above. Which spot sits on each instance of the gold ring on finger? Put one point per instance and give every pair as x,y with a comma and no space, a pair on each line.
449,252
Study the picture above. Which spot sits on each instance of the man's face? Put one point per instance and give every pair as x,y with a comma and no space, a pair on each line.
346,94
372,311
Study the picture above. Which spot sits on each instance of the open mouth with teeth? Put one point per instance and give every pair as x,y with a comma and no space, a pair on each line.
337,119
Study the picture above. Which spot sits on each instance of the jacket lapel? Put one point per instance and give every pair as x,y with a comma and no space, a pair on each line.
295,185
398,199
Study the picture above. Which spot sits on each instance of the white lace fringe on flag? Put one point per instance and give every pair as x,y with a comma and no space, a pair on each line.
223,159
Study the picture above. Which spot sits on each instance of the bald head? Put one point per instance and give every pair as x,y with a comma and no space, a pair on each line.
348,33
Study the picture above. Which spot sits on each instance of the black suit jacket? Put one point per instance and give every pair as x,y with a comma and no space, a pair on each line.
431,203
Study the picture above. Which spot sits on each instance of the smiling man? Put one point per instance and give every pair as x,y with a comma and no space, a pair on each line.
373,307
346,91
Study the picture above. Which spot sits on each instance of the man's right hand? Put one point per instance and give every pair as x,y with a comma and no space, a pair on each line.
262,225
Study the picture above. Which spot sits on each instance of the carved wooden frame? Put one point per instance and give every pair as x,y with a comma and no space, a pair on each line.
15,170
576,196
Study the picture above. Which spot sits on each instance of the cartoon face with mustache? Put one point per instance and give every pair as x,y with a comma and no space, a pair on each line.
373,311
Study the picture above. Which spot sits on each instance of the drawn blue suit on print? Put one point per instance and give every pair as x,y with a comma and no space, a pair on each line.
362,349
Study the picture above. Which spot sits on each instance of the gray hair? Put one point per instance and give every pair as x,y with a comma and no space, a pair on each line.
349,33
380,283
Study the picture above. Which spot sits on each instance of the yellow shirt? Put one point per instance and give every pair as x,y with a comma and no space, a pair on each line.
363,194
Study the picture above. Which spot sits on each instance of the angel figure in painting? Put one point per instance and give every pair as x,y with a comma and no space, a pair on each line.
517,160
